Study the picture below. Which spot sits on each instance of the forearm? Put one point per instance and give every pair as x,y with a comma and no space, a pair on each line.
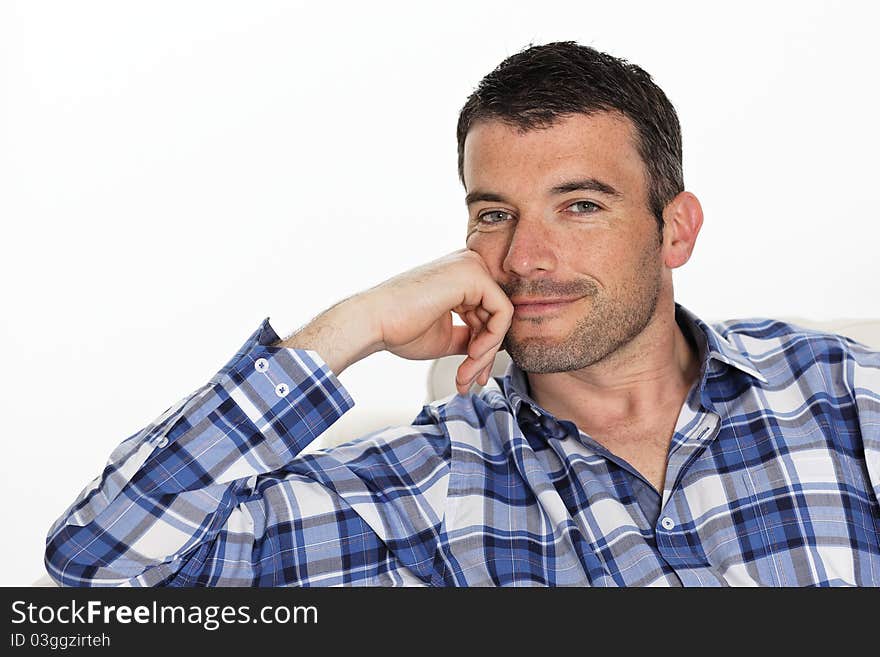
342,335
167,488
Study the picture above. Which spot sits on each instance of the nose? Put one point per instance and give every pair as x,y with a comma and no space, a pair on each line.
530,250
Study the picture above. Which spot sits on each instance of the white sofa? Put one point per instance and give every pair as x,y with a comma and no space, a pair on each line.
441,383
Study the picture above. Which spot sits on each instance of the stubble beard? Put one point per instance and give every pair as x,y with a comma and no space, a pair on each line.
607,325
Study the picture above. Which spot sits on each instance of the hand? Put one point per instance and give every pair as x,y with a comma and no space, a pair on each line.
412,314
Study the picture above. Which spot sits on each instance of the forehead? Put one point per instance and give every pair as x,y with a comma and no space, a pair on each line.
601,145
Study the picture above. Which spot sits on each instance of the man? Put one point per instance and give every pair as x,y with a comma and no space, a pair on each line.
629,443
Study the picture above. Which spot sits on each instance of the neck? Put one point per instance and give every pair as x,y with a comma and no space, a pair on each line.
646,378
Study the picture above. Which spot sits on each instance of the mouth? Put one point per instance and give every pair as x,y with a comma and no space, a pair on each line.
540,309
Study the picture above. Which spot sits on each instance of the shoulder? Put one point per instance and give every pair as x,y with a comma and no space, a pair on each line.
813,358
764,336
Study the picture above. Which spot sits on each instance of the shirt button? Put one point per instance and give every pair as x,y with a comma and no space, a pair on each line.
282,389
162,442
667,523
261,365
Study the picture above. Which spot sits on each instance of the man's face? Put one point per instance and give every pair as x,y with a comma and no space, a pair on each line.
544,240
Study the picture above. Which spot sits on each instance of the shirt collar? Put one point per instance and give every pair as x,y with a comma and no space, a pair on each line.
713,348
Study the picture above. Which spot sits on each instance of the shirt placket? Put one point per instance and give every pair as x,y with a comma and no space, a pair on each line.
676,537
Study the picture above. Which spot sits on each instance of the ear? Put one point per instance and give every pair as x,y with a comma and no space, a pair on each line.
682,220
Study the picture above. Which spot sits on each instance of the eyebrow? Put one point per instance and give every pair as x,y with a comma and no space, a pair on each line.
582,184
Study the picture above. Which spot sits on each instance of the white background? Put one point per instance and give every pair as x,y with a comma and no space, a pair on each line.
173,172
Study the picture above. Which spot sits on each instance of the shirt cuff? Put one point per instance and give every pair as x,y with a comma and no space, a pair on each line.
290,395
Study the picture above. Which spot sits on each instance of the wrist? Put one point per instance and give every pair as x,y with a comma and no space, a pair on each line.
342,335
354,333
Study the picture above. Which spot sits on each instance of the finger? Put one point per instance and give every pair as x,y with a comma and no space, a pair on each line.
483,375
486,368
468,372
500,317
462,381
485,293
483,379
494,330
471,370
484,343
470,319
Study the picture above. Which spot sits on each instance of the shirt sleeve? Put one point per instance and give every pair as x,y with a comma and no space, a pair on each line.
210,493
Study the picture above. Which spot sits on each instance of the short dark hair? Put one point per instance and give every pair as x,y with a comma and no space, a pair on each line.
541,84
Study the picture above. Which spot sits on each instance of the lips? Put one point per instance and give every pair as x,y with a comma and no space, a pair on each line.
540,307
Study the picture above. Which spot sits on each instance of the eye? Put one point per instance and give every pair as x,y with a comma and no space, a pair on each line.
588,205
491,216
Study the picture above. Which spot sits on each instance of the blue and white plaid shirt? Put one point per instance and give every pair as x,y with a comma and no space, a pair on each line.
773,478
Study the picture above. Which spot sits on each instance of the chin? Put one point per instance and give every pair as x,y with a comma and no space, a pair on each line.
544,356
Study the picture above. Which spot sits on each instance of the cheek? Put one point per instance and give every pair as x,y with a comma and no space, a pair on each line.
588,252
490,246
